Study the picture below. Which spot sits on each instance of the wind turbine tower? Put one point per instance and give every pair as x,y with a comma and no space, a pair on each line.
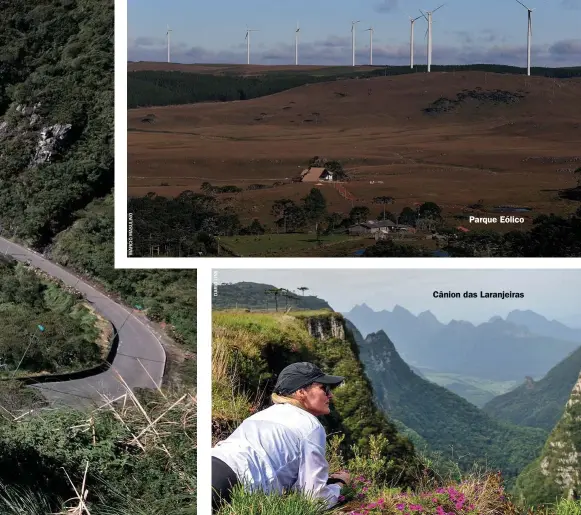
413,20
353,23
529,36
370,29
297,44
429,32
248,31
168,44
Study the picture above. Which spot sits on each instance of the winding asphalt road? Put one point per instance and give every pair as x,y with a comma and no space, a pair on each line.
140,358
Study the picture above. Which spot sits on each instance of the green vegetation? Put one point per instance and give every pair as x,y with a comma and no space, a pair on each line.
129,467
254,296
249,349
551,236
539,403
448,423
282,244
556,472
56,96
44,329
56,178
167,296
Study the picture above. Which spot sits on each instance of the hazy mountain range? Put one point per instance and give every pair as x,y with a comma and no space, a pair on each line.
446,422
524,344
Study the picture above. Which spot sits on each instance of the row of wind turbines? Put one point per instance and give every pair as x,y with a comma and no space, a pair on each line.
425,14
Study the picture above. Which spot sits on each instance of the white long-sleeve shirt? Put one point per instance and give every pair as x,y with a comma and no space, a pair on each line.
281,447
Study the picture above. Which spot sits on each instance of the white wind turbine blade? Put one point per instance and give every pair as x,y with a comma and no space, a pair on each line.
423,14
523,5
438,8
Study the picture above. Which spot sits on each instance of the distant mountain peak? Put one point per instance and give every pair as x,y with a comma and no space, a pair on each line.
362,307
427,315
400,310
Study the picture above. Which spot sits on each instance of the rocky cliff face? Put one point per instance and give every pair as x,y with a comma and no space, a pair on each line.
50,139
326,327
561,458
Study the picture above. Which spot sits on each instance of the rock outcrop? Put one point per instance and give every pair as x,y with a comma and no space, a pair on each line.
50,139
561,459
327,327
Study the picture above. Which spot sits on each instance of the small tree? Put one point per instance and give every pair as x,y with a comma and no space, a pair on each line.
386,215
407,216
275,292
333,221
256,228
359,214
315,205
430,210
282,208
383,201
302,289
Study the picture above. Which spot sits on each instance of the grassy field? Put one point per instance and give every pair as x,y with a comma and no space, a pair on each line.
283,244
475,390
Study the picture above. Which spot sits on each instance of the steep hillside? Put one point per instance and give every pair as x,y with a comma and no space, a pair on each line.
538,403
56,113
250,349
447,422
254,296
557,472
46,329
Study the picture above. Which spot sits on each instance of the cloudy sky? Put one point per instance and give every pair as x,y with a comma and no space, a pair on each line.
555,294
465,31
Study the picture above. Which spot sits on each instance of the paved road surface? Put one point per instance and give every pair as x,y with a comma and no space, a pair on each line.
137,342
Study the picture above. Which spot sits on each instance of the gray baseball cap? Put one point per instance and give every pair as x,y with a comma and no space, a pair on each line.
298,375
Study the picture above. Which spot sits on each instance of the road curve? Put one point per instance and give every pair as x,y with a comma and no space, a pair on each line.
140,358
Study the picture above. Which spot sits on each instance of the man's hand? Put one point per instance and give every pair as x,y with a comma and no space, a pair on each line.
343,475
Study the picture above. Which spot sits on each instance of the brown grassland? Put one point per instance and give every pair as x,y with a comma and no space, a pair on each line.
517,153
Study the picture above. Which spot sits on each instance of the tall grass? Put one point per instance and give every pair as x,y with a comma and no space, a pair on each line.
259,503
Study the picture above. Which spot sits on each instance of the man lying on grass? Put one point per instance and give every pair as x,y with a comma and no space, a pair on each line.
283,446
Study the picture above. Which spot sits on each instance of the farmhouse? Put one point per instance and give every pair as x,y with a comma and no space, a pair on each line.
371,227
316,174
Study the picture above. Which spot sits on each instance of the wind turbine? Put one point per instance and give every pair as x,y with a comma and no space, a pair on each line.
297,44
248,31
413,20
529,36
370,29
168,43
429,32
353,23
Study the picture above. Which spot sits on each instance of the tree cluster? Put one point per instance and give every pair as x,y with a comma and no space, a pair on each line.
44,328
56,67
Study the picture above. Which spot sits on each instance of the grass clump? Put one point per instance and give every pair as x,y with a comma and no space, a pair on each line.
136,454
259,503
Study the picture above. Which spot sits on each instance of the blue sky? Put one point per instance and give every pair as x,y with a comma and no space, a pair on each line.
544,290
465,31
